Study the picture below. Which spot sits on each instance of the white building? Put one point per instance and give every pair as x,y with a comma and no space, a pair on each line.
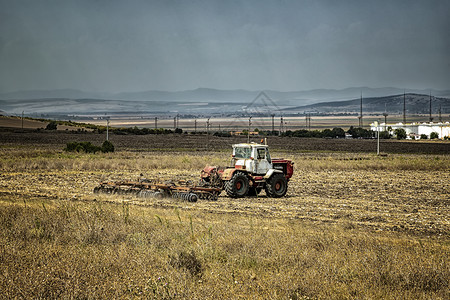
415,129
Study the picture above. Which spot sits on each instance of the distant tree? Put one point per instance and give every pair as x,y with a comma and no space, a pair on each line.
385,135
434,135
301,133
222,134
315,133
400,133
359,132
107,146
423,136
178,130
328,133
52,126
338,132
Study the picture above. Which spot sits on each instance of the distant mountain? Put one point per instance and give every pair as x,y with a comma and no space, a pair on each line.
415,103
80,106
212,101
64,106
200,94
215,95
40,94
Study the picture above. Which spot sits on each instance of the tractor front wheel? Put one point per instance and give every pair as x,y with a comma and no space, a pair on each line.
237,186
276,186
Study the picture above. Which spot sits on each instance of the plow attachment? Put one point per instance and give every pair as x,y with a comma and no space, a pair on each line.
148,189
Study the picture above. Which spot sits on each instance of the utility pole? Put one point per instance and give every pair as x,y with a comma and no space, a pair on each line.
308,121
107,128
156,123
440,115
207,133
361,114
377,123
273,124
195,125
431,118
404,108
174,123
22,119
281,125
248,133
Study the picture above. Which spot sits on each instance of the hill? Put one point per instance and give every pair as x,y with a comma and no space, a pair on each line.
216,95
415,104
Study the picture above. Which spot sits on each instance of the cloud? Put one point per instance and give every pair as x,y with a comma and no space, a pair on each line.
118,46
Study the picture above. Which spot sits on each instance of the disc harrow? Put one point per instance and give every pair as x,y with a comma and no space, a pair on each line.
183,190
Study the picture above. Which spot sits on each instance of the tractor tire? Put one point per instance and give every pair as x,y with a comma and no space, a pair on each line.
237,186
276,186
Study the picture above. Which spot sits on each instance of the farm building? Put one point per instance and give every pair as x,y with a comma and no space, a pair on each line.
415,129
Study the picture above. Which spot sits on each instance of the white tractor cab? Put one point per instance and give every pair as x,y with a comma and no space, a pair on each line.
253,158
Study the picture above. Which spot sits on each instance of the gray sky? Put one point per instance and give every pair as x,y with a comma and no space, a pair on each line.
137,45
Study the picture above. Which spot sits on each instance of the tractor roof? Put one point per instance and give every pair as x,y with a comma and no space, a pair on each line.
247,145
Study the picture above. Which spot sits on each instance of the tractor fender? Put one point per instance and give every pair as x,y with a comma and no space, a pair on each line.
228,173
271,172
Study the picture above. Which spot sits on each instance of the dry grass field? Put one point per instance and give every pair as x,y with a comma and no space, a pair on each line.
353,226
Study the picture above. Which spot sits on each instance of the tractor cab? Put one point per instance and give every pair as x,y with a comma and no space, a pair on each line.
254,158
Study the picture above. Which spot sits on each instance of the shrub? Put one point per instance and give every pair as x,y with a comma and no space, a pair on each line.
434,135
222,134
423,136
88,147
400,133
107,146
187,261
52,126
385,135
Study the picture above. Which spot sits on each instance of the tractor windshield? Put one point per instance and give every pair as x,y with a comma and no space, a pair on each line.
244,153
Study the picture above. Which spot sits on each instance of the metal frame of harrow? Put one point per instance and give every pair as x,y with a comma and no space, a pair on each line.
159,190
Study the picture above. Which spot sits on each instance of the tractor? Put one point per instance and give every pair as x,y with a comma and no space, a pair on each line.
251,170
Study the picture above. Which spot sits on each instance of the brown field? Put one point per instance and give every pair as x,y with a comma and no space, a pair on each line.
353,225
16,122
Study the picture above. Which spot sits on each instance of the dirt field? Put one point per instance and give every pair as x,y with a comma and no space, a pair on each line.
57,141
353,225
16,122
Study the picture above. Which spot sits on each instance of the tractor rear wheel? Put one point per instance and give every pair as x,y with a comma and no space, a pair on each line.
276,186
237,186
